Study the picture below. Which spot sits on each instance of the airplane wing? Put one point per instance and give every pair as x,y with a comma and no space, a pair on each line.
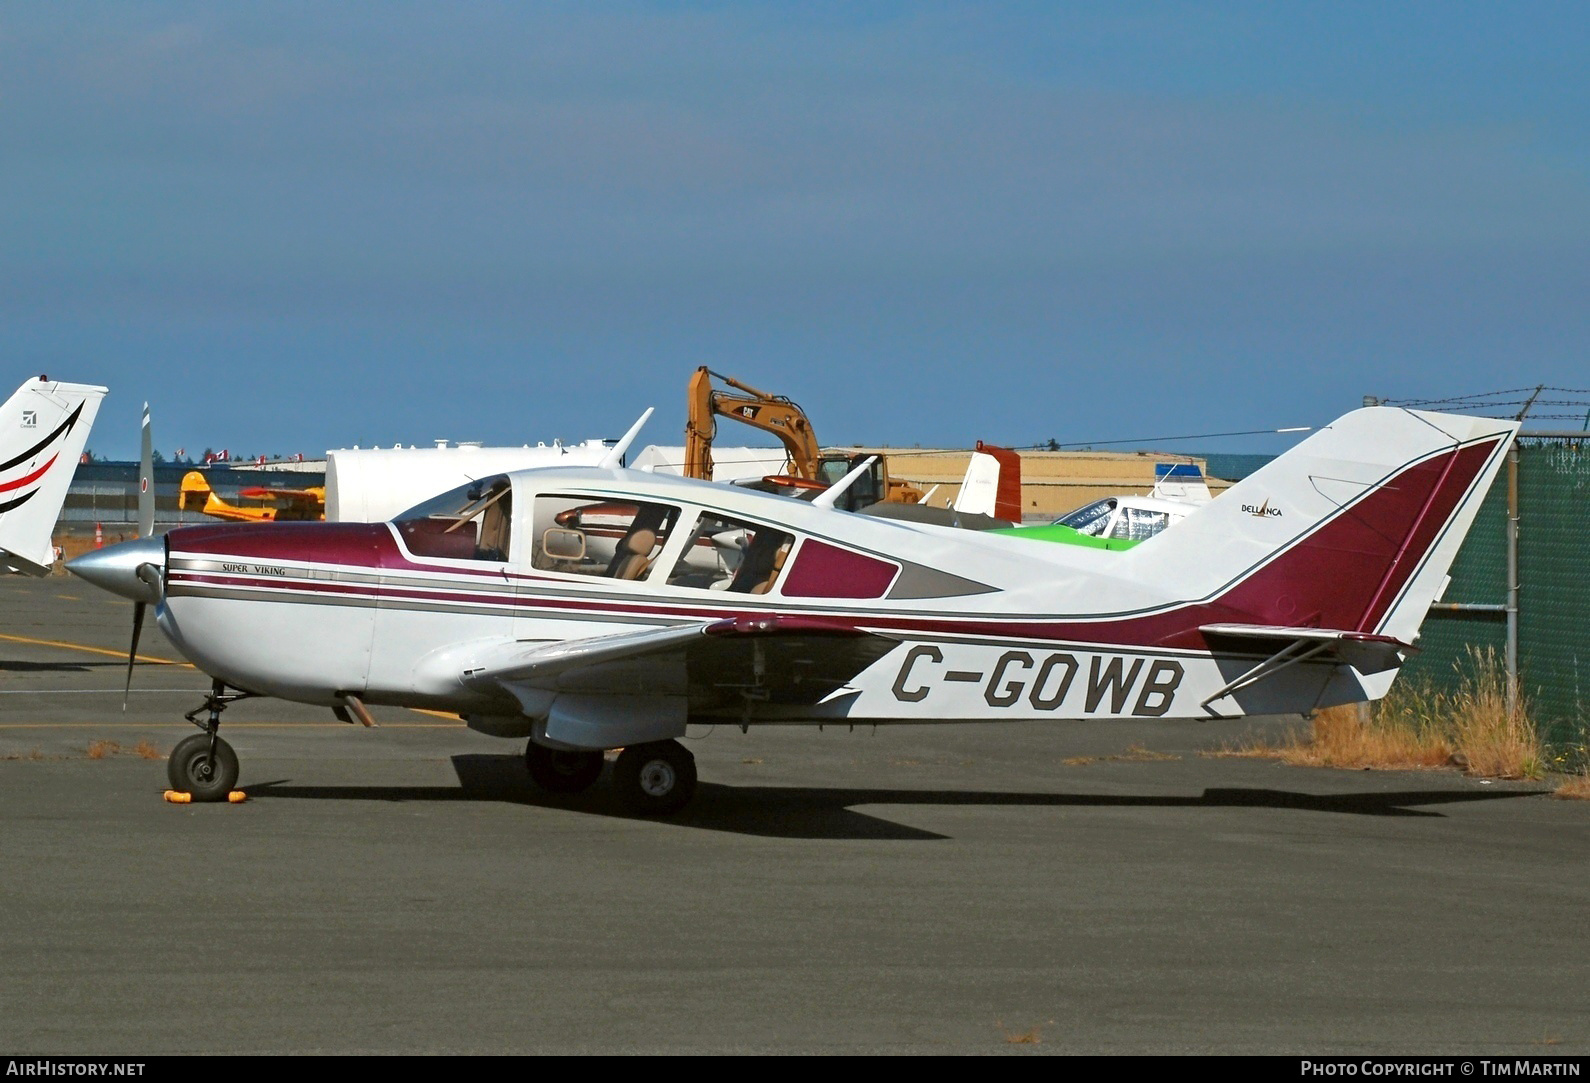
776,659
287,494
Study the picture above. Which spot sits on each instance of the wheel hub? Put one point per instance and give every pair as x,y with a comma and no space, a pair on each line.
657,778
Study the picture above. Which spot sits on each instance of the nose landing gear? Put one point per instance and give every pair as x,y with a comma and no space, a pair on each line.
204,765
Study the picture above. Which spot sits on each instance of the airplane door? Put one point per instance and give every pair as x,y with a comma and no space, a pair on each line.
445,582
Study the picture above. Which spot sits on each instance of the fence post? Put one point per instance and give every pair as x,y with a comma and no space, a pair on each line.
1512,578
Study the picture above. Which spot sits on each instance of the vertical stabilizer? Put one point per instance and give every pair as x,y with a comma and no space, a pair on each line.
992,485
1354,529
43,429
1180,481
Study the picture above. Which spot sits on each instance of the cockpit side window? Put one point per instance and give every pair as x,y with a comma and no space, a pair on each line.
600,537
723,553
1139,524
471,522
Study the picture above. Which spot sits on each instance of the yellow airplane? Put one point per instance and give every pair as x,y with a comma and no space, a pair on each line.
295,504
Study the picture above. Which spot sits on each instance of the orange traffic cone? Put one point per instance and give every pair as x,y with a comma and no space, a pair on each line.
99,535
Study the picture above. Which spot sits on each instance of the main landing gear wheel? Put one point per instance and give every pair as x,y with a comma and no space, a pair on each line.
655,779
559,771
198,769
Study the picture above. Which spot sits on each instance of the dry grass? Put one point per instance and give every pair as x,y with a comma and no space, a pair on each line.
1133,754
1576,788
1020,1037
98,750
1417,726
36,753
147,751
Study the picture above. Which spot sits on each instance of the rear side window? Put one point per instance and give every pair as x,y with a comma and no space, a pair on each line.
821,570
729,554
1139,524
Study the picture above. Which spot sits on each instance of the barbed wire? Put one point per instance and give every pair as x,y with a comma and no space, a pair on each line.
1518,403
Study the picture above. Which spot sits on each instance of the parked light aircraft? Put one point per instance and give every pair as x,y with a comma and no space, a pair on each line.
1303,586
43,429
1120,522
288,505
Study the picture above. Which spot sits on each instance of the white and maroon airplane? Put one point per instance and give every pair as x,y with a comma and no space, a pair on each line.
1303,586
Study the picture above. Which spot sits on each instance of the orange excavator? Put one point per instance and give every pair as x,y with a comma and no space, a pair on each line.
811,467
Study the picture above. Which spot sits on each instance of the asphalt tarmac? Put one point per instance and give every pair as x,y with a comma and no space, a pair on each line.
954,889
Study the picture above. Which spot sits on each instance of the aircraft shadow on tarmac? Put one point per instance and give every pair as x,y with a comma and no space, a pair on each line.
827,813
9,665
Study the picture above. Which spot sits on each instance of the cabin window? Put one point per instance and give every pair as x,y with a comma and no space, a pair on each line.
826,571
722,553
471,522
601,537
1090,519
1136,524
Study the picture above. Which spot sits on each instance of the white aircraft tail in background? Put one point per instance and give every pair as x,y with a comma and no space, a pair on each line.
992,485
43,428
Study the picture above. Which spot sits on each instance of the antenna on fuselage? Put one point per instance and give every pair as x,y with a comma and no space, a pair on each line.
826,498
612,460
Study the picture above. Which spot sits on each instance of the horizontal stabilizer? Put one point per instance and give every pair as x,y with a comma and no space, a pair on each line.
1364,651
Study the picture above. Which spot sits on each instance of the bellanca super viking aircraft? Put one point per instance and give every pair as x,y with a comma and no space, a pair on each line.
1301,587
43,428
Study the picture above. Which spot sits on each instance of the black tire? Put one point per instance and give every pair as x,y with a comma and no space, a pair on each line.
655,779
191,771
559,771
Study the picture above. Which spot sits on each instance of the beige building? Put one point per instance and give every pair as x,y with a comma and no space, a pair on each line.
1052,482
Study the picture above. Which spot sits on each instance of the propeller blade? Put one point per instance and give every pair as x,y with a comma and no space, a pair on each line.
132,652
146,482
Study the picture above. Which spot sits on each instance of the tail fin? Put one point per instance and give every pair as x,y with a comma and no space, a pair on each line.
1352,530
195,492
992,485
1180,481
43,429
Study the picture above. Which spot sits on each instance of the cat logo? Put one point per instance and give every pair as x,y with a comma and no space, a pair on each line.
1262,511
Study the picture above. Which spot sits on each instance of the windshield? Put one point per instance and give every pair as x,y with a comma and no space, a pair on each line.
1090,519
470,522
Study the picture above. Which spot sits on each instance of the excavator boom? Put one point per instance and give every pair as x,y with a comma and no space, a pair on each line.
778,415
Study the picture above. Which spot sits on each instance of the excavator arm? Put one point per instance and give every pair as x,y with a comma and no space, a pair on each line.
780,416
771,413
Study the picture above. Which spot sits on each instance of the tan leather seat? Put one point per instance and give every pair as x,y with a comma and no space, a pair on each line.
634,555
778,563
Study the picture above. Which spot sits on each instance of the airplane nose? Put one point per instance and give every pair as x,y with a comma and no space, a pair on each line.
116,568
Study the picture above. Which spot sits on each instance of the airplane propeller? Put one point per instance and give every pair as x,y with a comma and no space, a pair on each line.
146,528
150,575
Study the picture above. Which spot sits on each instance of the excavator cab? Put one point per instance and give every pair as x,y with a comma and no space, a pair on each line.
866,490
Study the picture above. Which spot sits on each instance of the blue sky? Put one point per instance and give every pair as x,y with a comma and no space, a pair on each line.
299,226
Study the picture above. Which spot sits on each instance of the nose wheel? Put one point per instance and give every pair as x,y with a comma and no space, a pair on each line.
203,765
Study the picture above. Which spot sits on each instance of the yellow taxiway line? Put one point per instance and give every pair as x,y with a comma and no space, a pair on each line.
92,650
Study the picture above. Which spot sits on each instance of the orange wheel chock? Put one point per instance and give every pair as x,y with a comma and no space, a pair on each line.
177,797
237,797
